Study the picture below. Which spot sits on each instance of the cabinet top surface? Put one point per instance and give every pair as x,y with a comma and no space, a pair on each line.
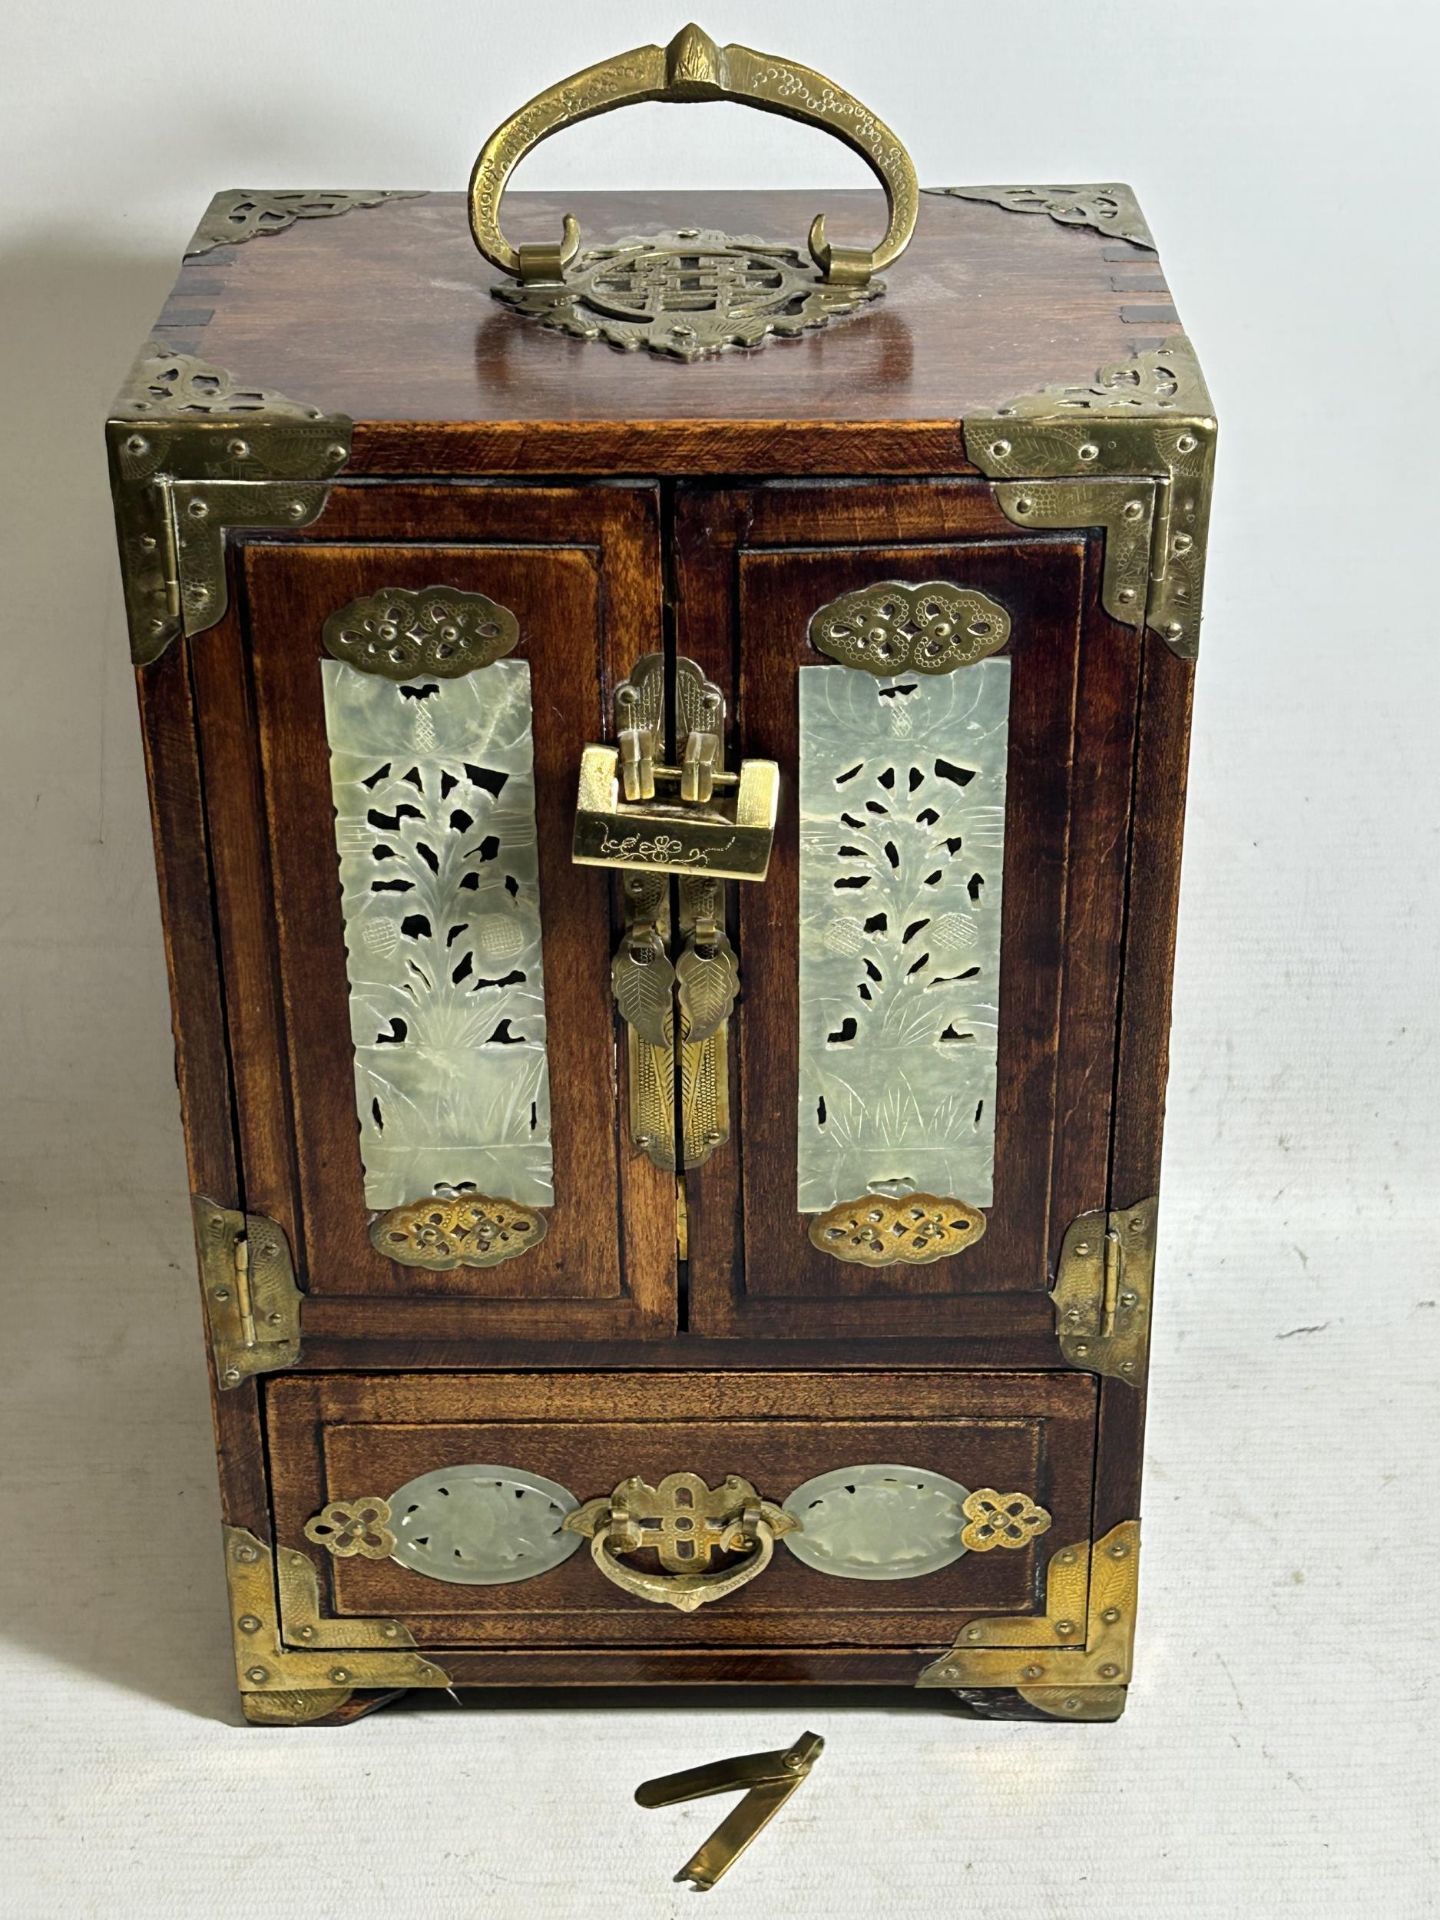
385,314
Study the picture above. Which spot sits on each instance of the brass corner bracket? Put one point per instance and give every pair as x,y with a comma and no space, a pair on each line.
1111,209
252,1304
1146,423
1074,1659
241,214
1104,1286
272,1608
193,454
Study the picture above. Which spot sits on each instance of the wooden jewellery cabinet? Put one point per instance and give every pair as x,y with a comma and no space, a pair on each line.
667,789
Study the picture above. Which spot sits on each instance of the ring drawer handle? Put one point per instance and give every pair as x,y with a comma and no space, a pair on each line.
686,1523
693,67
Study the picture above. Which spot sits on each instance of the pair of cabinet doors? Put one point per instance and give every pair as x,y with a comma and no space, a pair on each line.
911,1096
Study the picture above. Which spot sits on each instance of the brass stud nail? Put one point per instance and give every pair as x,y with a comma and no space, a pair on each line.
231,1377
248,1555
274,1319
258,1674
972,1633
1064,1626
222,1293
1174,629
1126,596
296,509
999,449
1034,1673
247,1623
1024,504
306,1633
1110,1616
137,443
239,448
1087,451
1129,1298
1109,1671
1071,1703
1119,1550
147,543
198,509
340,1675
1186,443
1133,509
337,452
1127,1366
1082,1347
1067,1558
390,1630
1082,1246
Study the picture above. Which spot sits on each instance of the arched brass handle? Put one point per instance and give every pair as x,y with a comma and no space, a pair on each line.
692,67
686,1523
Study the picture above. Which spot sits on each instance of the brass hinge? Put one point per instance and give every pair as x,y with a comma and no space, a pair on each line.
252,1303
1103,1289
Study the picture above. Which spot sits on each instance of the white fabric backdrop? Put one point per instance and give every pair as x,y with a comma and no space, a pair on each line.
1273,1759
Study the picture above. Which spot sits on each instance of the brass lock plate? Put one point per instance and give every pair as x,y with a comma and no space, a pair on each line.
635,811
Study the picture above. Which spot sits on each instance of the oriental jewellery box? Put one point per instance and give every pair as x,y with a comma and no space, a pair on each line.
667,751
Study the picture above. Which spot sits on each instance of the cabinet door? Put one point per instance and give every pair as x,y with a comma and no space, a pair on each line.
426,1072
924,1047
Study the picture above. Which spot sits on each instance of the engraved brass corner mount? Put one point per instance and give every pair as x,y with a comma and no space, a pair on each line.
691,292
241,214
252,1303
1073,1660
707,826
194,453
1111,209
686,1523
1132,452
1103,1289
291,1663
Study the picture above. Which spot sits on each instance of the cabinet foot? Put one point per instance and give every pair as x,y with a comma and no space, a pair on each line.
1043,1703
313,1706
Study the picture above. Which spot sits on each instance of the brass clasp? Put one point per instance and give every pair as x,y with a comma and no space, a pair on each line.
767,1781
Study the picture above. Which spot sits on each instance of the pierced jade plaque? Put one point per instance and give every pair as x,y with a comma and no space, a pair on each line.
902,821
434,792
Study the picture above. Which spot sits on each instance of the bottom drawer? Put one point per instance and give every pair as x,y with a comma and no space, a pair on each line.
438,1501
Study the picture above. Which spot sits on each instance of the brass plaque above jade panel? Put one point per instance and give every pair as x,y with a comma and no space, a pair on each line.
434,791
902,822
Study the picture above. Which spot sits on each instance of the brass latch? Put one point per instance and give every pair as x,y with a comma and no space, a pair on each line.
708,827
767,1781
1103,1289
252,1303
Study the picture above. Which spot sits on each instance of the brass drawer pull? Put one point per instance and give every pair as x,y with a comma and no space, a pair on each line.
686,1523
693,67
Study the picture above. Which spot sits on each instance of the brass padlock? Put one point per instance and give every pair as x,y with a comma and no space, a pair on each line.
710,822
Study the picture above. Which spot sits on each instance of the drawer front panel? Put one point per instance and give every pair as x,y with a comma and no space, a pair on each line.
921,1499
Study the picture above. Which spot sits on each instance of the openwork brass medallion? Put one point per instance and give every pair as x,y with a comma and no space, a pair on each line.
687,294
1111,209
457,1230
877,1231
1001,1520
1150,415
348,1527
238,215
686,1523
1103,1287
436,630
896,628
876,1522
1073,1660
194,452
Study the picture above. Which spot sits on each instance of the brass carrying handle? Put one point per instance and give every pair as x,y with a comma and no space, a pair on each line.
686,1523
693,67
